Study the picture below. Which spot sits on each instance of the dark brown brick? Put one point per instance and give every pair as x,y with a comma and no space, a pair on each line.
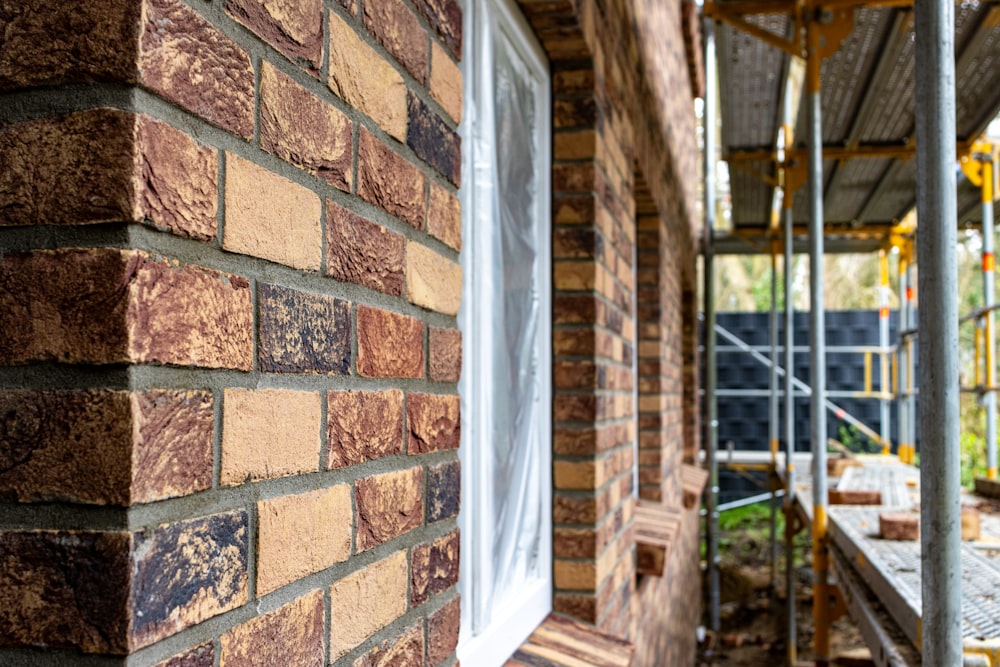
65,590
298,127
178,181
185,573
388,506
434,423
445,346
444,491
290,635
293,27
200,656
445,18
362,252
389,181
434,568
580,112
432,140
363,426
303,333
176,42
399,31
406,650
75,169
389,344
442,632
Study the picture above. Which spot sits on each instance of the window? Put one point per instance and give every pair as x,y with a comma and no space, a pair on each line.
506,576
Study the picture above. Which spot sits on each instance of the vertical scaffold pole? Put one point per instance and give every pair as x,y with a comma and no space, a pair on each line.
904,435
789,506
712,446
940,535
883,343
988,298
774,426
911,366
817,350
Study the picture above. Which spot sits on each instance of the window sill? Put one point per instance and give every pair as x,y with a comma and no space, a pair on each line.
562,642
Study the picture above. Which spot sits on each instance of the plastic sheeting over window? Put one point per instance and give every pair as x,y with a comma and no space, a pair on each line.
506,374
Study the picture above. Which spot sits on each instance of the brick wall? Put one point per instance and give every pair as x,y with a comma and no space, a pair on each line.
228,291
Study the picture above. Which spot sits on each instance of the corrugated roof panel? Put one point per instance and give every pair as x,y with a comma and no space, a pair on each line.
897,196
977,69
751,195
891,116
855,181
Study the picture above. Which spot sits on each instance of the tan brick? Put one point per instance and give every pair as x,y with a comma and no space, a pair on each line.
299,127
389,181
366,601
433,422
295,28
577,475
432,281
290,635
365,80
389,505
446,82
575,275
298,535
445,351
434,568
406,650
575,575
577,145
363,426
270,217
899,526
269,433
389,344
444,217
398,30
359,251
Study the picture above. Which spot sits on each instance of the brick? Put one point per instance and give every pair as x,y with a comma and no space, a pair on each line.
434,423
971,523
362,252
444,216
202,655
270,217
854,497
398,30
363,426
899,526
446,82
290,635
574,113
434,568
583,475
445,18
365,80
366,601
44,577
269,433
293,27
575,145
407,650
53,43
189,62
74,169
432,140
298,535
388,505
389,181
389,344
303,333
300,128
185,573
445,351
178,181
444,491
432,281
442,632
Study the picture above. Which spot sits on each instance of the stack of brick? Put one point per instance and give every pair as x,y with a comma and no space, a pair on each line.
228,293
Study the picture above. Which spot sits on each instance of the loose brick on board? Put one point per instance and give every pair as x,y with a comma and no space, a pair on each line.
270,217
269,433
389,505
444,216
444,490
303,333
293,27
398,30
298,535
176,43
389,344
365,80
366,601
432,140
362,252
389,181
299,127
290,635
446,82
434,568
406,650
363,426
442,632
434,423
432,280
202,655
445,351
445,17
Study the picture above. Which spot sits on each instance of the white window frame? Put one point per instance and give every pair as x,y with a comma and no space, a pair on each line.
510,623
